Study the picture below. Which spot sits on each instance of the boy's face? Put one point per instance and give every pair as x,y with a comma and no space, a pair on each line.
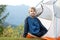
32,12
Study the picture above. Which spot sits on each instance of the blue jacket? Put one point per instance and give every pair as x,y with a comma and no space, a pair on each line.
34,26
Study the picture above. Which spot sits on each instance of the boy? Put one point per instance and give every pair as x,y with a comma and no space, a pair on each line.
33,27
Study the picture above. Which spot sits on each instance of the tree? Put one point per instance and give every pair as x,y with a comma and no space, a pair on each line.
2,18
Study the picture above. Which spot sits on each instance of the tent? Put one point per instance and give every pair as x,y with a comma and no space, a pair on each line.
50,19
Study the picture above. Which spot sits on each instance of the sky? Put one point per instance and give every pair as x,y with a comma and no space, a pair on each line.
25,2
19,2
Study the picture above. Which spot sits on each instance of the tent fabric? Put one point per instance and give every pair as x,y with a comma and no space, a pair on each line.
51,13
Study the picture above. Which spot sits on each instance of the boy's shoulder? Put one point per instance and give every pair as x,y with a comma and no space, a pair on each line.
26,18
30,17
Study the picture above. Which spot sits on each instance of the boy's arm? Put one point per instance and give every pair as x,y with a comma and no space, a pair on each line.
40,12
25,28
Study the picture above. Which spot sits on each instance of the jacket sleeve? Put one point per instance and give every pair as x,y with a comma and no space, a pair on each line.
42,28
25,28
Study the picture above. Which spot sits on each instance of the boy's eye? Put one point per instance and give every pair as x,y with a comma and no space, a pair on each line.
31,11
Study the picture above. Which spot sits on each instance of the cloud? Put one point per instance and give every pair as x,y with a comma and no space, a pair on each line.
19,2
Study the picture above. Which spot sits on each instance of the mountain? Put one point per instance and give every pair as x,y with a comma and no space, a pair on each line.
6,24
17,14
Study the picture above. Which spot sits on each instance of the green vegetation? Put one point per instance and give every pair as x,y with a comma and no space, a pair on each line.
13,31
12,38
2,18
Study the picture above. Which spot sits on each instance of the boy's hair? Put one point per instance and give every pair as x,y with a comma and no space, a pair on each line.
33,8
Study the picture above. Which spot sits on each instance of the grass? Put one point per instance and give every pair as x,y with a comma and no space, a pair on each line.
12,38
